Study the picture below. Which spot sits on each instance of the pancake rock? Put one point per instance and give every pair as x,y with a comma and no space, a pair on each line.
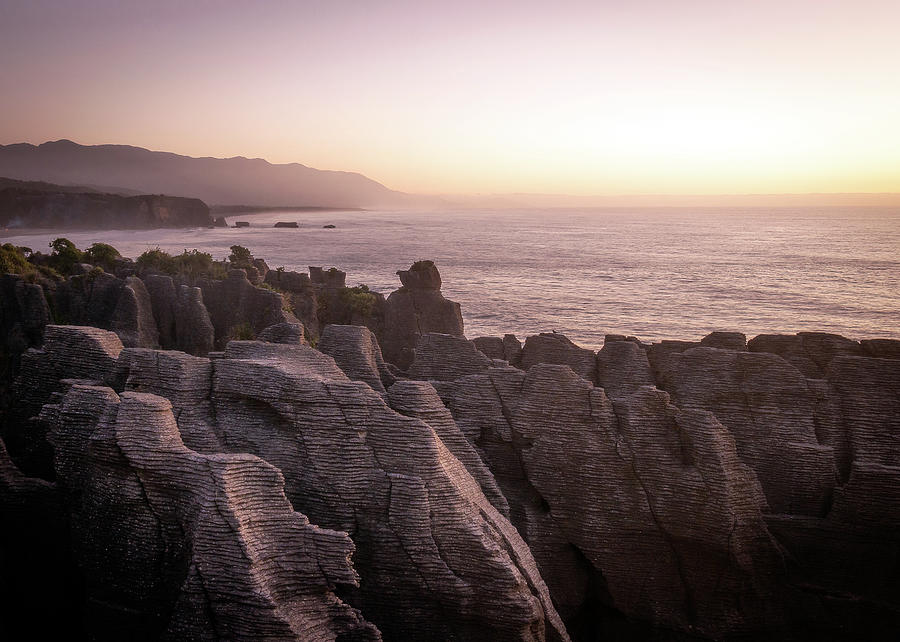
551,347
434,556
809,352
190,546
194,330
444,357
769,407
415,309
633,506
356,352
235,302
283,333
623,368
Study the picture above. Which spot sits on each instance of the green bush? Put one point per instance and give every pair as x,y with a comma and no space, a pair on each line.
65,255
102,254
13,261
359,299
240,256
158,260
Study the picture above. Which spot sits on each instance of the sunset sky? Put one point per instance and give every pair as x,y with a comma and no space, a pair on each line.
688,97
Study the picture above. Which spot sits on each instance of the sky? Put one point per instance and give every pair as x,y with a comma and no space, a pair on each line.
638,97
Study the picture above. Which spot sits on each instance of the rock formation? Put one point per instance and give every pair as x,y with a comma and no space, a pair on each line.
551,347
415,309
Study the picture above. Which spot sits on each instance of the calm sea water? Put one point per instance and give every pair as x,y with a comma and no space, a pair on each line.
657,274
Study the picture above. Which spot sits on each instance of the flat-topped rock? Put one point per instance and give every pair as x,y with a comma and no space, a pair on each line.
552,347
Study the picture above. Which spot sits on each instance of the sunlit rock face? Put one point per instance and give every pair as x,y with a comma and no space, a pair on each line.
432,553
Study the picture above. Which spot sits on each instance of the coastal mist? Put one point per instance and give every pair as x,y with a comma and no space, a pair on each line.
671,273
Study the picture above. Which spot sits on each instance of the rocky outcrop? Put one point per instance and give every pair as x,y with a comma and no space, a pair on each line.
769,407
194,330
133,319
444,357
190,546
235,303
23,315
414,310
356,352
623,368
283,333
92,211
81,353
551,347
725,340
615,501
420,400
809,352
163,300
490,346
434,556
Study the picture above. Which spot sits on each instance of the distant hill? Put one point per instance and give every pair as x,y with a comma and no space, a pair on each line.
218,181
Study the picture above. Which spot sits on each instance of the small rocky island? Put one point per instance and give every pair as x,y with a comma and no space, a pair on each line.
194,449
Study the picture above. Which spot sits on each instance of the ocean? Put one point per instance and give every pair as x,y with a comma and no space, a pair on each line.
664,273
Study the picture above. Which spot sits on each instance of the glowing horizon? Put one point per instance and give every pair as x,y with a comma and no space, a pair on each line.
574,98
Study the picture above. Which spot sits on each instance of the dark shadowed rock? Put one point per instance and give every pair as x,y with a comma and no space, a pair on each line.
810,352
163,299
235,303
769,407
331,278
614,500
725,340
551,347
422,275
491,346
414,310
194,330
512,349
881,348
283,333
623,368
133,318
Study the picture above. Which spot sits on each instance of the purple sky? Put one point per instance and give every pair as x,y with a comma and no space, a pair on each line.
564,97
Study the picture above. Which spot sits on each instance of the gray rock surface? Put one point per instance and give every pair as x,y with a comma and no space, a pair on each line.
133,319
190,546
283,333
416,309
194,329
444,357
356,352
552,347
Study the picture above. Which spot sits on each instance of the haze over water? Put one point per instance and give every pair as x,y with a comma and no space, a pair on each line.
657,274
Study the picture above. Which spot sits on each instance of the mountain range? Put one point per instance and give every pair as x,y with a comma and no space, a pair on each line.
217,181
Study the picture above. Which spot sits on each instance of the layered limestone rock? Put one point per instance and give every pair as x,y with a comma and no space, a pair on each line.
434,556
355,350
69,352
179,545
809,352
444,357
163,298
133,319
623,368
633,505
552,347
769,407
490,346
416,309
725,340
235,303
194,329
283,333
420,400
